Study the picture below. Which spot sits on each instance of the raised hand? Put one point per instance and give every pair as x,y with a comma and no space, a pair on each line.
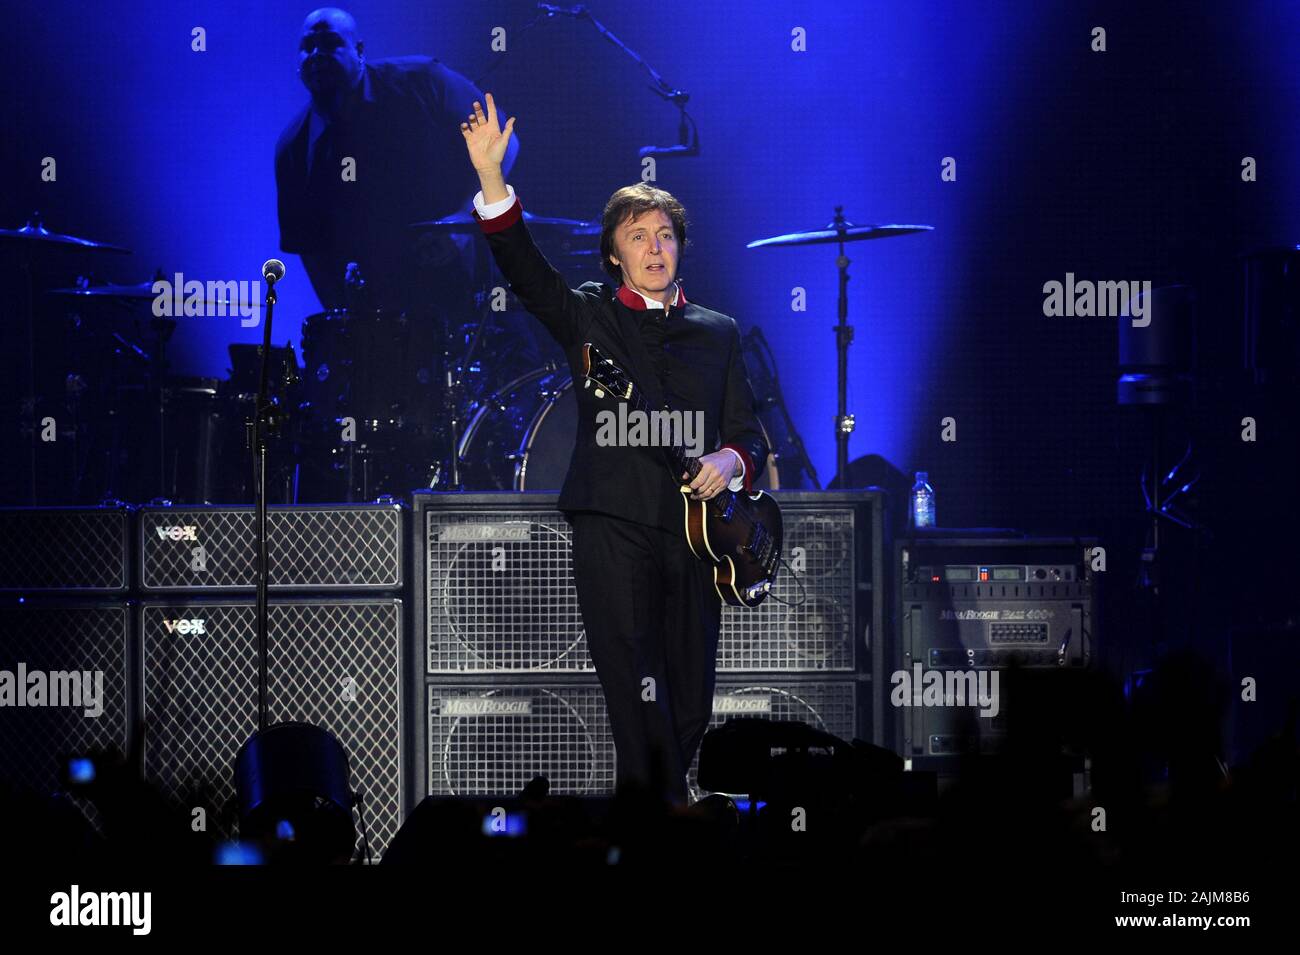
485,140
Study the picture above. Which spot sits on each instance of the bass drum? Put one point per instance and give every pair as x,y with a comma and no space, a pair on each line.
521,437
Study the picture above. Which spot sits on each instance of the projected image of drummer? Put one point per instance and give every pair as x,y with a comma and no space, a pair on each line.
376,148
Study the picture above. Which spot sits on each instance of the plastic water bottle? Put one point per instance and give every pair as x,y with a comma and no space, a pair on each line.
922,502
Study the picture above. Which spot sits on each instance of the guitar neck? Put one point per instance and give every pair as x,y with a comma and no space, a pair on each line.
601,371
674,457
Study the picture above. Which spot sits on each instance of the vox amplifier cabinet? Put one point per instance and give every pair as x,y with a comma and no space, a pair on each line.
67,664
65,549
334,662
336,548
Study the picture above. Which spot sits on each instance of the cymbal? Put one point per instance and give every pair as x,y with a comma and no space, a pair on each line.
463,223
142,291
37,234
850,233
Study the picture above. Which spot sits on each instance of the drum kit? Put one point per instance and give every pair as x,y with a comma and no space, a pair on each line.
385,401
477,398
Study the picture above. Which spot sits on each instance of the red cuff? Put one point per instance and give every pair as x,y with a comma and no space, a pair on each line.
746,462
501,222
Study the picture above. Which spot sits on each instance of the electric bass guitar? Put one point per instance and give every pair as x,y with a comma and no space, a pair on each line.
739,533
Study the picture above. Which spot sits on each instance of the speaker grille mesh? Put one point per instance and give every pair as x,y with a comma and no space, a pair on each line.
816,635
332,663
49,638
493,740
352,548
499,596
63,549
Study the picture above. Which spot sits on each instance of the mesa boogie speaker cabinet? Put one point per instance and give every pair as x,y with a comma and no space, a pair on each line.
495,591
506,681
331,548
978,606
334,662
493,738
65,549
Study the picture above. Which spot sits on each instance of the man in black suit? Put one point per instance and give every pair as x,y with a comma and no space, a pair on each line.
375,150
650,608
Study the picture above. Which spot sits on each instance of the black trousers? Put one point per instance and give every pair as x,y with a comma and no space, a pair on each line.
651,614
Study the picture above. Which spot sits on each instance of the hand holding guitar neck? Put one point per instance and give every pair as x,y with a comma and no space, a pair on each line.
713,475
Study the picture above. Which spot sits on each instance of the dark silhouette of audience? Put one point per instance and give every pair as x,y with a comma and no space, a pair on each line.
1161,801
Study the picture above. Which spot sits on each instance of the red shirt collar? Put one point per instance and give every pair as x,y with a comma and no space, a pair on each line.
634,301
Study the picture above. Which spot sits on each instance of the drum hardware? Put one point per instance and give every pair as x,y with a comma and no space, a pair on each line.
129,295
410,416
141,291
839,231
521,436
237,403
561,237
128,428
131,347
786,452
30,242
376,366
187,417
368,404
455,392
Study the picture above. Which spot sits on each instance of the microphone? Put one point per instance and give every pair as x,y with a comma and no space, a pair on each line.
272,271
551,10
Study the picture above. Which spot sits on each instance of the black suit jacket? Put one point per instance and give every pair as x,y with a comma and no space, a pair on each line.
703,371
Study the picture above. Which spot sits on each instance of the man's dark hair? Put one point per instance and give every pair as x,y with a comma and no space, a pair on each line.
630,203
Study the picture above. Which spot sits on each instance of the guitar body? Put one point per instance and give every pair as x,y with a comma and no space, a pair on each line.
741,538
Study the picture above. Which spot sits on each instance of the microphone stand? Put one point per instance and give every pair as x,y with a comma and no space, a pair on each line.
686,129
293,772
844,422
263,422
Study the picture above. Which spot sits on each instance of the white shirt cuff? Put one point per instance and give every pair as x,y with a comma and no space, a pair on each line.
490,210
738,482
